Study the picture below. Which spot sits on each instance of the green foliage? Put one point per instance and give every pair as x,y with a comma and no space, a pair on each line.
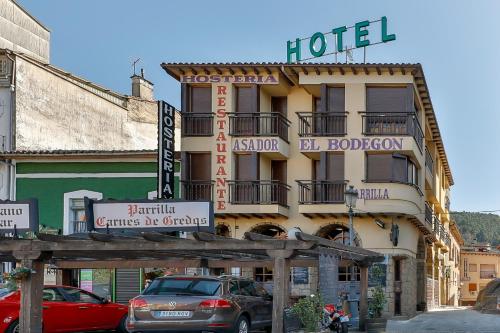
377,302
310,311
479,227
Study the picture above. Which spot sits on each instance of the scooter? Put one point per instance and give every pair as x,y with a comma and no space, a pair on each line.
338,320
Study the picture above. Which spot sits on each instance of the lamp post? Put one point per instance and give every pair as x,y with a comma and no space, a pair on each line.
351,195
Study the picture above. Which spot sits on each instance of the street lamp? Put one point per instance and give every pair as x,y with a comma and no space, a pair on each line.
351,195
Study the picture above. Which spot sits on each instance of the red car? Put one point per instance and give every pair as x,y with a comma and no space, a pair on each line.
66,309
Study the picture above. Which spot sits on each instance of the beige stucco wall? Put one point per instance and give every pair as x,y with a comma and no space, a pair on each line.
22,33
56,113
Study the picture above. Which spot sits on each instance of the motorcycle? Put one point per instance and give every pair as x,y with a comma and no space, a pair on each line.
337,320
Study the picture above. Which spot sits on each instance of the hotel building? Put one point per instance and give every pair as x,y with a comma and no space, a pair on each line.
276,145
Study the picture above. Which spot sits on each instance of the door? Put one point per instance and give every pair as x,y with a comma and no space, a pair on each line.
279,109
246,188
247,107
85,307
278,177
198,184
57,313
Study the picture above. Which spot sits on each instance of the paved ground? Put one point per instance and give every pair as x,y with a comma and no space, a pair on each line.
447,320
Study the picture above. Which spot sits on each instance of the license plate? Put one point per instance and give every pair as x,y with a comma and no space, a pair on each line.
172,314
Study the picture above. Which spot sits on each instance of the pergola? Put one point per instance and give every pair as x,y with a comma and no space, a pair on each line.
151,249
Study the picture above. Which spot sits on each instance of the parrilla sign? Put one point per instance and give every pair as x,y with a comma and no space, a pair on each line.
18,216
150,215
318,43
247,78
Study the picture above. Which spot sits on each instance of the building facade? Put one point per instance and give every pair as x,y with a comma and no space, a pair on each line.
275,146
480,264
61,180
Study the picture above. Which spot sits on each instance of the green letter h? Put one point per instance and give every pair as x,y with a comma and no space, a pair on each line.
291,50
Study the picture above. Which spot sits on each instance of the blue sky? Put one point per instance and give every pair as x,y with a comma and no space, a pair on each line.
455,41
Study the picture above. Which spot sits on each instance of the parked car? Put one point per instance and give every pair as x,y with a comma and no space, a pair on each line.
201,303
66,309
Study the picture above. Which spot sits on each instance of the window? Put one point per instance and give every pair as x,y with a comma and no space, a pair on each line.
487,271
79,296
472,267
247,99
236,271
345,273
192,286
52,295
472,287
247,288
391,168
263,274
78,220
466,268
390,99
201,100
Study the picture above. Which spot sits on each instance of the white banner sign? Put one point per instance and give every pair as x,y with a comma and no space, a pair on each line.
21,216
153,215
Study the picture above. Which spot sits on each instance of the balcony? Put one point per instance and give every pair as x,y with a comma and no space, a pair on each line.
322,124
399,124
321,192
258,192
487,274
428,215
197,124
197,189
429,162
79,227
259,124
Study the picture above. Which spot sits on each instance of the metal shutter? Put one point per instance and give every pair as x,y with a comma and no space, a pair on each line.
127,284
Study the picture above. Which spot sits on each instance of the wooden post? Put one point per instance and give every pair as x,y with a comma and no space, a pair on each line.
30,314
281,276
363,297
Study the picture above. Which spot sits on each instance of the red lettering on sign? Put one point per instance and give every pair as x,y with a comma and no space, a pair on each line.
221,90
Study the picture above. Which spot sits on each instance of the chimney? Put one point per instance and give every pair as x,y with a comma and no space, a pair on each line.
141,87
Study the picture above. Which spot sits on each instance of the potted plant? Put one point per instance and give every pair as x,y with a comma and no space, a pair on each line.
375,323
310,312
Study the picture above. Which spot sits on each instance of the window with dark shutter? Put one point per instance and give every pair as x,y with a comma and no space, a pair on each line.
201,99
379,167
389,99
336,99
391,168
335,167
399,168
199,166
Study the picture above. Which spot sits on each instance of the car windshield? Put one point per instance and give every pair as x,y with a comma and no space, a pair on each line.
183,286
4,291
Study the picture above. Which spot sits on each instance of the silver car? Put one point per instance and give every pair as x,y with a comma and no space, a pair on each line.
201,304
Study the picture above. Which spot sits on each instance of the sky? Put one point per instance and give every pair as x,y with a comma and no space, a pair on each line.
455,41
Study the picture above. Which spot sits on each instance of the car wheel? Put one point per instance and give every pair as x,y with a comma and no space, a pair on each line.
122,326
13,328
242,325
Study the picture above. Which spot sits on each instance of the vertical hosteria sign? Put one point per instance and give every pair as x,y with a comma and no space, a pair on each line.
318,43
166,150
18,216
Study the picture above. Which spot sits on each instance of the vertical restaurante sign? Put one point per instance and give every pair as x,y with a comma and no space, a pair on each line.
318,43
221,144
18,215
150,215
166,150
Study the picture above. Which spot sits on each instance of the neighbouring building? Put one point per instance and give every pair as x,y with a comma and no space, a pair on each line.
480,264
452,280
276,145
60,180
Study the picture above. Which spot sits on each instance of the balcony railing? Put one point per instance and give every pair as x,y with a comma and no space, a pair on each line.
487,274
429,161
447,203
258,192
436,226
79,227
197,124
322,123
197,190
393,124
321,191
428,214
259,124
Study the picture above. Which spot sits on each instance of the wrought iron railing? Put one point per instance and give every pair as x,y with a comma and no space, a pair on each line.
393,124
197,124
79,227
258,192
321,191
428,214
322,123
436,226
259,124
197,190
429,161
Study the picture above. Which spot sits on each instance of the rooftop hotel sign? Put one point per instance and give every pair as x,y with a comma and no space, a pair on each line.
150,215
318,44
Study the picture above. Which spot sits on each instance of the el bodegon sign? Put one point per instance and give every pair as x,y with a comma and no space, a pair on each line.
150,215
318,44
